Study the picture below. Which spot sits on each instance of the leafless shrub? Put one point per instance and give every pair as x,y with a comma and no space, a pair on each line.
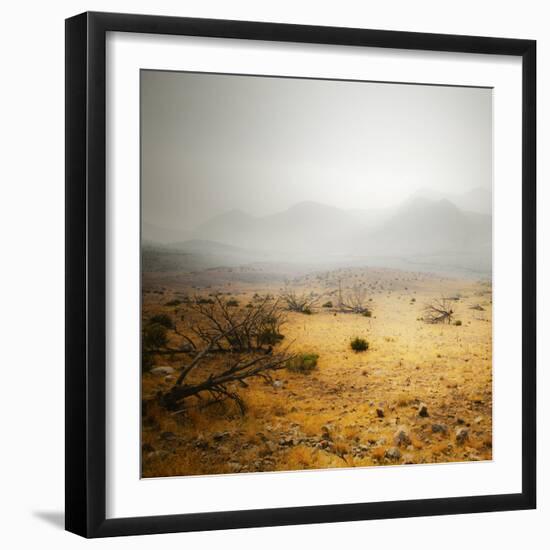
300,302
249,338
439,311
224,327
354,300
220,386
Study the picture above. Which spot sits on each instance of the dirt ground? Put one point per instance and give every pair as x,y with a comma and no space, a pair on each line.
421,393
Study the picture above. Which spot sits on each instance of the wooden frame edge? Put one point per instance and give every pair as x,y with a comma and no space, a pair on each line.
85,275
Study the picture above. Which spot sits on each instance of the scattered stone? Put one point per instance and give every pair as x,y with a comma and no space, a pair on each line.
478,420
401,437
380,413
157,455
393,453
169,378
162,371
278,384
462,436
423,410
460,421
219,436
440,429
408,459
201,442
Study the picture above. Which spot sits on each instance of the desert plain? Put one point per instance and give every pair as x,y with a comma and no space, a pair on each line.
421,393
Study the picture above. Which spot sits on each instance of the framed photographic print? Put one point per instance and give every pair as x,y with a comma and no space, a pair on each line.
300,274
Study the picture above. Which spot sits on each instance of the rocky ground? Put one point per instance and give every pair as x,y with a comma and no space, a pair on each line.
421,393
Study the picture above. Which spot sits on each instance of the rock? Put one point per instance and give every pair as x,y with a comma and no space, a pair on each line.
460,421
478,420
278,384
393,453
462,436
423,410
219,436
169,378
408,459
380,413
162,371
157,455
401,437
201,443
440,428
286,442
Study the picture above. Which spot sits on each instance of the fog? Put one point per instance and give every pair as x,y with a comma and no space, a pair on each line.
261,145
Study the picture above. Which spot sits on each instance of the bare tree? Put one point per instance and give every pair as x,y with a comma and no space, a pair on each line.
439,311
215,387
300,302
248,336
222,327
354,300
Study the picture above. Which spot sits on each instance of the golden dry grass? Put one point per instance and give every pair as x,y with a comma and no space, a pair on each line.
408,363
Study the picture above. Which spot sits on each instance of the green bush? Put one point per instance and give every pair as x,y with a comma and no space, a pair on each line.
162,319
154,336
304,363
307,311
367,313
232,303
270,337
147,362
328,304
204,301
458,323
173,303
359,344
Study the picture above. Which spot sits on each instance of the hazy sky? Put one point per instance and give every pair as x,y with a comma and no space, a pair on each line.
212,143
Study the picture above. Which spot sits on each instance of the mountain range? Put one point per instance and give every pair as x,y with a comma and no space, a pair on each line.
426,226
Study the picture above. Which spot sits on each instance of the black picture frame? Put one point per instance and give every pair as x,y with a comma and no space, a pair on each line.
86,269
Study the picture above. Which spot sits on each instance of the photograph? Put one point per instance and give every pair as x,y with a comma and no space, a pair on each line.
316,273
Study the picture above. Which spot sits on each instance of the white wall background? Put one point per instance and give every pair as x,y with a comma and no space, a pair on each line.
32,270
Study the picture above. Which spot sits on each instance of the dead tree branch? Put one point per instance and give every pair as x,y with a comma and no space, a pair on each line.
223,327
354,300
300,303
439,311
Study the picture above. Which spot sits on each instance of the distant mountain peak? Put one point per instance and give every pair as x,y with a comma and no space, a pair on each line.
310,206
